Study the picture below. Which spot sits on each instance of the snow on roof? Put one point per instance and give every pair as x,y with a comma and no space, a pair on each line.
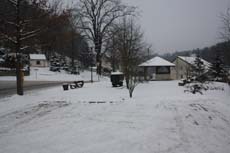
157,61
191,60
37,57
116,73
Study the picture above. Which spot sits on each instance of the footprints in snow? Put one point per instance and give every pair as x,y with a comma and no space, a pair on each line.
198,107
205,115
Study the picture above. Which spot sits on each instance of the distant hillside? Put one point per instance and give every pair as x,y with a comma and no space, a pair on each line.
207,53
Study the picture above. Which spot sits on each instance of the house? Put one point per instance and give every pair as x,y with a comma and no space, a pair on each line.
184,66
38,60
157,68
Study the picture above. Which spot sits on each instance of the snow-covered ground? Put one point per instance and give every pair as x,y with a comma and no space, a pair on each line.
97,118
43,74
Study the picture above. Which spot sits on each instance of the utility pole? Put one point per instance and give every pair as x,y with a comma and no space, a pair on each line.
91,55
91,73
72,46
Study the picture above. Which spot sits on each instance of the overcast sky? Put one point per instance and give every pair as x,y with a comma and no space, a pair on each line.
176,25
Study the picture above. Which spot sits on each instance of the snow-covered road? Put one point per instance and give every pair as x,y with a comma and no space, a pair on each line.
161,118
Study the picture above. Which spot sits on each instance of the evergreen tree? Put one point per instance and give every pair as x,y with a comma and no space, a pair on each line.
198,68
199,77
217,69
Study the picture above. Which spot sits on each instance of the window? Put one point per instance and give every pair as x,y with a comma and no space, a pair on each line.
38,62
163,70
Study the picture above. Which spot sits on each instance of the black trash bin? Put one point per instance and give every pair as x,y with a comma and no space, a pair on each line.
65,86
117,78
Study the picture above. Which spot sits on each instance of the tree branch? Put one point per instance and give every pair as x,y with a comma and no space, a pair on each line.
8,38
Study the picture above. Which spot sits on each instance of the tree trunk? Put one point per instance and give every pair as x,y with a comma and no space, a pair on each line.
127,82
130,94
113,62
19,75
131,89
98,60
100,68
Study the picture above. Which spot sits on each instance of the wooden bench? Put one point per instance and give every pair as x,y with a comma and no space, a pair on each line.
74,85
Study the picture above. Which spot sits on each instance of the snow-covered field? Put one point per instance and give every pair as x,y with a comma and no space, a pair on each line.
43,74
97,118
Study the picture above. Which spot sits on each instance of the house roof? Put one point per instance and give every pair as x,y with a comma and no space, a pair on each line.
156,61
191,60
37,57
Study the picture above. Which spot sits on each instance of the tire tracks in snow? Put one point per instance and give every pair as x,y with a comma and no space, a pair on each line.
183,145
14,119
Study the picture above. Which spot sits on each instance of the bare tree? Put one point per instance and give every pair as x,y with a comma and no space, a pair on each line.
111,48
225,33
96,17
74,34
54,25
131,49
20,31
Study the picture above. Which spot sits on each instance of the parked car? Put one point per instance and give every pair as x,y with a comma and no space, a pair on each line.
55,69
66,68
74,70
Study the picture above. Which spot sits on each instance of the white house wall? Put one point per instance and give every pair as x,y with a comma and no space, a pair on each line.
182,69
173,74
43,63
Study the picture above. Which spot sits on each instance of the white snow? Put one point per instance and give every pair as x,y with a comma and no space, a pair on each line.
97,118
37,57
157,61
43,74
